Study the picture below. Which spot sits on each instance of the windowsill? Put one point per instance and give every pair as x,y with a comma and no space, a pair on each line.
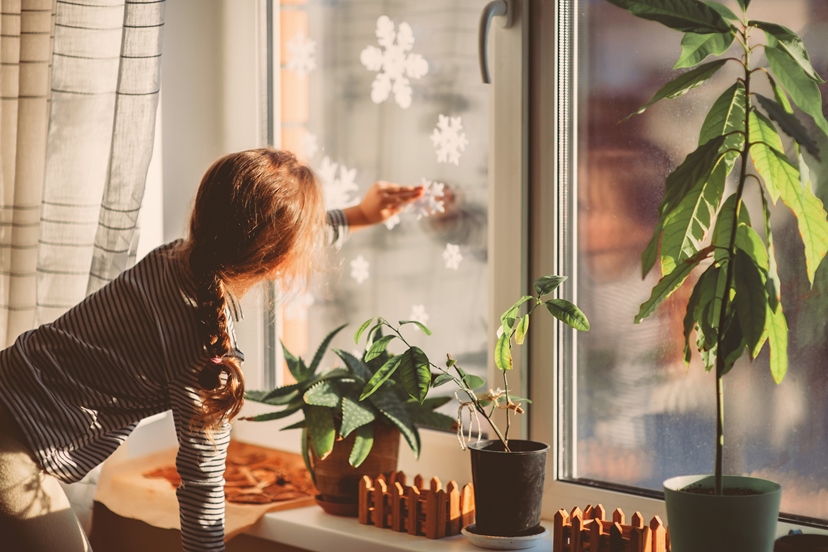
312,529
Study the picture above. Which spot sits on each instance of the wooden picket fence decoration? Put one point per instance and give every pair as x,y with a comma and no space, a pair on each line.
590,531
427,510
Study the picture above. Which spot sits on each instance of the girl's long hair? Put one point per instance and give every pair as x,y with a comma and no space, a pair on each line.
258,215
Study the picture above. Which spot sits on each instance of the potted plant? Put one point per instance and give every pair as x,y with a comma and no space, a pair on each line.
735,305
508,475
344,438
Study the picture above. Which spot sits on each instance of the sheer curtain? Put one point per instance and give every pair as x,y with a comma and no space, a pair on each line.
79,88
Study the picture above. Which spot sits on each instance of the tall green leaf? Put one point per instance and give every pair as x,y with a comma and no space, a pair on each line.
547,284
378,347
724,226
415,373
508,318
787,40
389,405
789,124
774,284
417,323
522,328
361,329
568,313
323,347
711,300
685,228
650,253
732,346
385,372
683,83
726,116
683,15
363,443
778,343
320,426
780,95
355,414
670,283
803,90
296,365
765,144
696,47
749,241
750,301
503,353
695,169
689,315
723,10
808,209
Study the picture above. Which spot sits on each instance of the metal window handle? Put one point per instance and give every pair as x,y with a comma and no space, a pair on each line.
494,8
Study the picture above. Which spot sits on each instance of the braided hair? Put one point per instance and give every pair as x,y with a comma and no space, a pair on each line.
258,215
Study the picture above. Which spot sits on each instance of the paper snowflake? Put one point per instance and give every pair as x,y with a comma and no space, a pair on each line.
392,221
337,190
448,139
418,314
431,201
310,145
452,256
359,269
394,62
301,54
298,308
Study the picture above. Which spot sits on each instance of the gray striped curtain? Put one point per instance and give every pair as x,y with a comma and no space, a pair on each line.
80,82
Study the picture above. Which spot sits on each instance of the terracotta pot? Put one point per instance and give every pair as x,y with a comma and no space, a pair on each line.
338,482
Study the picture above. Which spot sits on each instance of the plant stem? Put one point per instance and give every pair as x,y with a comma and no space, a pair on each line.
720,357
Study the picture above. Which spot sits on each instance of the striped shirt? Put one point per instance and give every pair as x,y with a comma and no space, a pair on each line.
79,385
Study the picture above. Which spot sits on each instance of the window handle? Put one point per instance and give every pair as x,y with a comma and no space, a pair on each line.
494,8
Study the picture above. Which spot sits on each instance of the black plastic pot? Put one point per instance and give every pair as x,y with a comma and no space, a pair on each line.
508,486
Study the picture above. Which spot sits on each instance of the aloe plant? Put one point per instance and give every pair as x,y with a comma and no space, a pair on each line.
736,305
332,407
414,366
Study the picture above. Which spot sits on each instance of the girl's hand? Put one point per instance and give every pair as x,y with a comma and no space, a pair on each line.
382,201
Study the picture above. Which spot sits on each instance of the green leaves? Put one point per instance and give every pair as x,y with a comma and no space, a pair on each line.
363,443
689,16
802,88
670,283
320,427
788,41
385,372
547,284
415,372
418,324
378,347
696,47
522,328
750,301
683,83
778,342
568,313
789,124
503,353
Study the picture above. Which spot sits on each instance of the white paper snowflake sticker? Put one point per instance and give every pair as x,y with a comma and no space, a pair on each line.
394,62
310,145
452,256
448,139
337,190
392,221
418,314
301,54
431,201
297,309
359,269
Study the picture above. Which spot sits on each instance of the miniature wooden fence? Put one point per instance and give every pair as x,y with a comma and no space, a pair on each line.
418,509
590,531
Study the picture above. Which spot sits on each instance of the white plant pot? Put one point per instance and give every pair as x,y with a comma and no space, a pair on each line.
729,523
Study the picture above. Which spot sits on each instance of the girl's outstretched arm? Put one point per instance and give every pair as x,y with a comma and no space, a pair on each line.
382,201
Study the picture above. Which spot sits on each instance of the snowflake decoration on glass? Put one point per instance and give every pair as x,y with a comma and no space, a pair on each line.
392,221
301,54
418,314
337,190
431,201
452,256
359,269
298,308
394,62
448,139
310,145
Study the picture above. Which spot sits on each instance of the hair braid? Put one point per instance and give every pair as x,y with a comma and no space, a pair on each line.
221,379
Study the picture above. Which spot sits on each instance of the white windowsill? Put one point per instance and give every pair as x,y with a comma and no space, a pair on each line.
312,529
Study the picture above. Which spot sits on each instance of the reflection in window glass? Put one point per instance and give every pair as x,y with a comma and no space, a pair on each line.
642,416
392,91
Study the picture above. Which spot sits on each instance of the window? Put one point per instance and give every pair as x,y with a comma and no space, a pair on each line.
630,414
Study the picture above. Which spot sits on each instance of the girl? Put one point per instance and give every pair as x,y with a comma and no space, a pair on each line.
160,337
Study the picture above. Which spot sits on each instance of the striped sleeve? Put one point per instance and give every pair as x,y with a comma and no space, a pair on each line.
200,463
338,229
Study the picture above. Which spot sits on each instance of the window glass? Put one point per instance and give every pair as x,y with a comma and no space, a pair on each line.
642,416
392,91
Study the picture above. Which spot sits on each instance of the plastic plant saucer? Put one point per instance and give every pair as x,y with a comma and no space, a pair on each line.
503,543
